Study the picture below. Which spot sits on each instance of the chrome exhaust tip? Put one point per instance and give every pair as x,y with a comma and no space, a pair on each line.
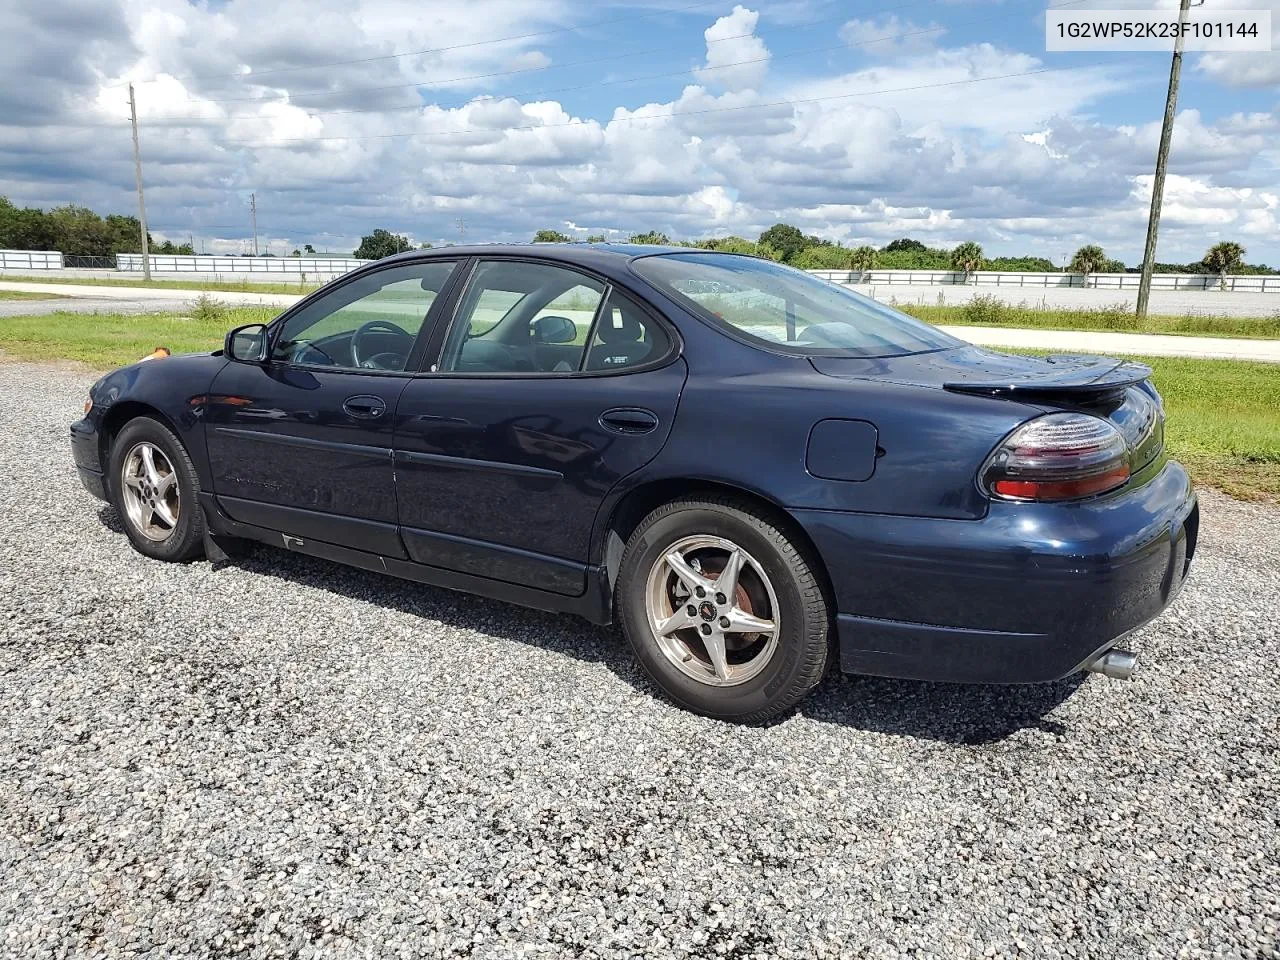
1116,664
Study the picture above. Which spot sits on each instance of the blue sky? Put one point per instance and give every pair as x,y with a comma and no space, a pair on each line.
697,119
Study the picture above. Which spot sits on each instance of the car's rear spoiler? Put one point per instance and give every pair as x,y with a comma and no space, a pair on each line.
1080,378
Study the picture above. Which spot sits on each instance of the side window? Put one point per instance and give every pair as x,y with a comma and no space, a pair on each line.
522,318
624,336
369,324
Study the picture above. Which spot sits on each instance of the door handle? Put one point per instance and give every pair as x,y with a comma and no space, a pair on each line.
364,408
630,421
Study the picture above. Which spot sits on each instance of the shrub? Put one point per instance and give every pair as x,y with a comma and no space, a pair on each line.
985,308
208,309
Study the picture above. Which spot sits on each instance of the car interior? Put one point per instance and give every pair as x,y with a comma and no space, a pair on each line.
375,324
530,338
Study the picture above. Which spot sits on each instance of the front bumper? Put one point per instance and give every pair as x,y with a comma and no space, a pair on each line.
1028,594
84,452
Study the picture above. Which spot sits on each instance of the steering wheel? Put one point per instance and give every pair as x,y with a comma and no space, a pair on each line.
378,326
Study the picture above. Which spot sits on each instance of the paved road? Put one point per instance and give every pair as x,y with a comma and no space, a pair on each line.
227,276
1170,302
1144,344
23,308
85,298
149,296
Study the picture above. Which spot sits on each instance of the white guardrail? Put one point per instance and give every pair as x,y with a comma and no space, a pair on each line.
30,260
334,266
290,266
1095,281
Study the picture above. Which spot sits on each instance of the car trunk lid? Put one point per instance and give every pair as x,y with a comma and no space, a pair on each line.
1117,390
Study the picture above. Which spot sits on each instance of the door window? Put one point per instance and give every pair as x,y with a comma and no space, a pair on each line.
624,336
369,324
522,318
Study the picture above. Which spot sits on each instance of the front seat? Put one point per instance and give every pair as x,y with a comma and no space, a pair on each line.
620,342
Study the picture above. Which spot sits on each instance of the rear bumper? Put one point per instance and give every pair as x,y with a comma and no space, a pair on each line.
84,452
1028,594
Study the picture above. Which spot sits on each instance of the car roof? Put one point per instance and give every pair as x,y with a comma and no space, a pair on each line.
586,254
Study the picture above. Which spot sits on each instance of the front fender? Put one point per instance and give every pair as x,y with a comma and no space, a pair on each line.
172,389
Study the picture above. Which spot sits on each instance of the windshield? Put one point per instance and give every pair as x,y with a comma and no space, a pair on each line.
788,309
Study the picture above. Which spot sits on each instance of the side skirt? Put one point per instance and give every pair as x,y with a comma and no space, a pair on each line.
596,604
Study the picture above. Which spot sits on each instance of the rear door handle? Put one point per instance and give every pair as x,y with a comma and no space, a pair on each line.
630,421
364,408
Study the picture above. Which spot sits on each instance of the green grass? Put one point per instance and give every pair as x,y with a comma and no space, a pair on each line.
20,295
222,286
107,340
1223,415
986,311
1222,421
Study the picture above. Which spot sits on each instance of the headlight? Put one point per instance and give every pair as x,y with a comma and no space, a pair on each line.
88,405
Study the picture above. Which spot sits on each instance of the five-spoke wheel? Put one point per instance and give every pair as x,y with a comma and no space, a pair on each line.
713,610
152,498
153,486
723,608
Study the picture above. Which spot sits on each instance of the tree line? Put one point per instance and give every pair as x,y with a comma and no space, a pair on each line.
75,231
789,244
78,231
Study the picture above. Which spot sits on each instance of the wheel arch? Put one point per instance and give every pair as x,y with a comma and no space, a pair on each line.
640,501
120,415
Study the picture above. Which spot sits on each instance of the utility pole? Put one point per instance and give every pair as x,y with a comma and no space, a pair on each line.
1162,164
137,171
253,212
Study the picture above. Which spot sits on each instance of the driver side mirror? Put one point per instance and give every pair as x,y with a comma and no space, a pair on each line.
553,330
247,344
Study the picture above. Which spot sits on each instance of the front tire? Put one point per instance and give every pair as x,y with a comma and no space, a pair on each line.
723,610
154,488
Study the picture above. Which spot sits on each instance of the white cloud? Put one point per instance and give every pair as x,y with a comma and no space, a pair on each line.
890,36
1022,163
1258,69
736,58
939,88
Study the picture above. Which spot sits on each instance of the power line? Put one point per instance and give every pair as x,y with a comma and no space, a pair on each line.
455,46
663,116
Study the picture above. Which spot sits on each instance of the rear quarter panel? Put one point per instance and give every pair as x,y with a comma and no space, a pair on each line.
752,430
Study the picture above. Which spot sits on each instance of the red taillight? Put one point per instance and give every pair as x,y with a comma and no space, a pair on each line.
1060,456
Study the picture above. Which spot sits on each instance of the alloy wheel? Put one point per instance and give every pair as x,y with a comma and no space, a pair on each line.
149,485
713,610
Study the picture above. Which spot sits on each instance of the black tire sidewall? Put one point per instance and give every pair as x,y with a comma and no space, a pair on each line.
188,537
773,690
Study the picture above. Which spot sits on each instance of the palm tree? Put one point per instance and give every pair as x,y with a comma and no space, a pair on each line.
1224,257
862,259
1088,259
967,257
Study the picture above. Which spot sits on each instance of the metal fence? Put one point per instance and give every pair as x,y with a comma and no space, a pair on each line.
289,266
1096,281
30,260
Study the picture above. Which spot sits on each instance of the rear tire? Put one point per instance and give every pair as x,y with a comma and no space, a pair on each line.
155,489
747,655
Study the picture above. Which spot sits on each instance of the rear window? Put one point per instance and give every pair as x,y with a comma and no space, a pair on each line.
786,309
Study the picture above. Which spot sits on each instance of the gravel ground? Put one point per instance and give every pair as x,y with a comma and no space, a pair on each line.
283,757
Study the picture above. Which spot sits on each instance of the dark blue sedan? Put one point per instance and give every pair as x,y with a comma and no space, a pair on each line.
754,471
